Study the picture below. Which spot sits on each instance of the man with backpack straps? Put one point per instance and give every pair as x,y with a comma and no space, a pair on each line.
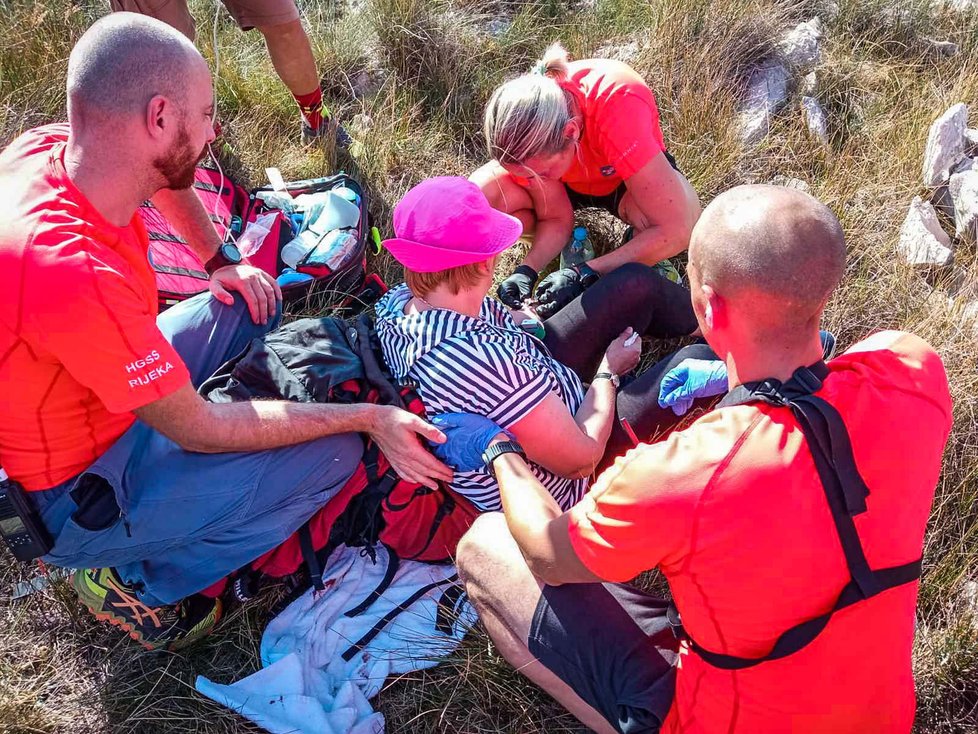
789,521
158,493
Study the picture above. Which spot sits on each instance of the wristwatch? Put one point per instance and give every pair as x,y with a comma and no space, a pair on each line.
227,254
498,449
608,376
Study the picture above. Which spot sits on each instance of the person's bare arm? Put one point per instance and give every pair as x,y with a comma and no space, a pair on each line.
182,209
572,445
555,221
537,524
568,445
199,426
662,207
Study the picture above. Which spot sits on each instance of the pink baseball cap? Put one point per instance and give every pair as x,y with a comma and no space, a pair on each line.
446,222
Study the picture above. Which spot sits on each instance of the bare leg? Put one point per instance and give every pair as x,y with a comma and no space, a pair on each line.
505,195
505,594
291,54
174,13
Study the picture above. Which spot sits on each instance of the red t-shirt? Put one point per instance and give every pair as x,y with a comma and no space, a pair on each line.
79,345
732,511
621,125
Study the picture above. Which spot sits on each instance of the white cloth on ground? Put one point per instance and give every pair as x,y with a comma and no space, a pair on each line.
325,656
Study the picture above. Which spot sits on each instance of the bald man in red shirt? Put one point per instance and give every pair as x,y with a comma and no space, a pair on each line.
756,530
154,492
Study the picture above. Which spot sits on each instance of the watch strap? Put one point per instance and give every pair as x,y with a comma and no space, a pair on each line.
611,376
498,449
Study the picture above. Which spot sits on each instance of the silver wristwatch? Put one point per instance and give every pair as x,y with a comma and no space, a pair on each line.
608,376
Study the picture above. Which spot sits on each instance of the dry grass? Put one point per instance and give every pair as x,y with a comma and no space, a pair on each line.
410,79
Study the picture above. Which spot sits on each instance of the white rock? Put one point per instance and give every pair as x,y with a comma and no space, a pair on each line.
964,194
625,52
940,48
922,241
971,141
809,84
965,164
829,10
791,183
815,118
498,27
767,91
945,145
800,46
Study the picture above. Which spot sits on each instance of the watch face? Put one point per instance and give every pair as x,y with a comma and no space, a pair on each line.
231,253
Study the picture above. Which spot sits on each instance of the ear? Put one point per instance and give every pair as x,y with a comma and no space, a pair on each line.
572,130
715,308
158,113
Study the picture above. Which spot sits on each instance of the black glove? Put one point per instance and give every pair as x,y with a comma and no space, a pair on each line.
563,286
518,287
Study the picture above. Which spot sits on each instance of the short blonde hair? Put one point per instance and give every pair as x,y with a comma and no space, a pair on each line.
526,116
464,276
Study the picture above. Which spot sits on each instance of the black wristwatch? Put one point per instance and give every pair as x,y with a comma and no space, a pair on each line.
589,276
227,254
615,380
498,449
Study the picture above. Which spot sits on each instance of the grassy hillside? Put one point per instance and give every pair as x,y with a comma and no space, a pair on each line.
410,79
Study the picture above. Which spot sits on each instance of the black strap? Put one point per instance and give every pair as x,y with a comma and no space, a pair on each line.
800,635
391,615
310,558
393,563
845,491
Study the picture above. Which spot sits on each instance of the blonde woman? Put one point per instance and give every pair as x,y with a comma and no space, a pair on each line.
571,135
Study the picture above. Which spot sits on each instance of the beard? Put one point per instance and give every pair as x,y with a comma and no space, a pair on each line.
178,164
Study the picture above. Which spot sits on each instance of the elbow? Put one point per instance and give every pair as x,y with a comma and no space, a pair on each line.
544,572
195,444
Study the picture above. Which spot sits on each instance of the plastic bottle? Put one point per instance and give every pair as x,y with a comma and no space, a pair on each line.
578,250
296,248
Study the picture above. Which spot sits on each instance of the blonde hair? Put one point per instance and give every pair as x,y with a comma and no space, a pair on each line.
526,116
464,276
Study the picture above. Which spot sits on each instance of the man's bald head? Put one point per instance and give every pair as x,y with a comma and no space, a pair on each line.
774,254
123,61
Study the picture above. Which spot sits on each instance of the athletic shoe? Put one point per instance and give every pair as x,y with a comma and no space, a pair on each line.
168,627
310,134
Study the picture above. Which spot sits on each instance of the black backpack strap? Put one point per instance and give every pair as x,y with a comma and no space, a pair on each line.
357,646
310,557
393,564
800,635
845,491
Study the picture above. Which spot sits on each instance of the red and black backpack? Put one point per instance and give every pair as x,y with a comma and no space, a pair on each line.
375,505
180,273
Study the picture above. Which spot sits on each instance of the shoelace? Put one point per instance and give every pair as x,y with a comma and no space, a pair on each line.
135,607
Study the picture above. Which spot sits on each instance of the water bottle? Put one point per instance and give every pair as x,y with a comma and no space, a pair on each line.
578,250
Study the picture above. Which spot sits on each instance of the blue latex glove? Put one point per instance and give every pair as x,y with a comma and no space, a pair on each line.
691,379
467,437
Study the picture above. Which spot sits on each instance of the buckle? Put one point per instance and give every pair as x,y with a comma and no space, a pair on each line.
675,622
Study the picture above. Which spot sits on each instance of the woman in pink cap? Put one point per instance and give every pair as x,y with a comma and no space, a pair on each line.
466,353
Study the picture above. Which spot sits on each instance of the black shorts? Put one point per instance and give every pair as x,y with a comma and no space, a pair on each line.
608,202
613,645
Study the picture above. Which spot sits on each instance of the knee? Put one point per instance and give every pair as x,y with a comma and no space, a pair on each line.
480,548
288,31
634,281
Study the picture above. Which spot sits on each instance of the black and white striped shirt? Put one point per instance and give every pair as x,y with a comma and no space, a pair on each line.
485,365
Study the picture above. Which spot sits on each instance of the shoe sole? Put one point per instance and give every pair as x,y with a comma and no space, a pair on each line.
121,623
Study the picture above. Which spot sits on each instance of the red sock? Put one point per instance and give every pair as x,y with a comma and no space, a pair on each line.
215,590
311,106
